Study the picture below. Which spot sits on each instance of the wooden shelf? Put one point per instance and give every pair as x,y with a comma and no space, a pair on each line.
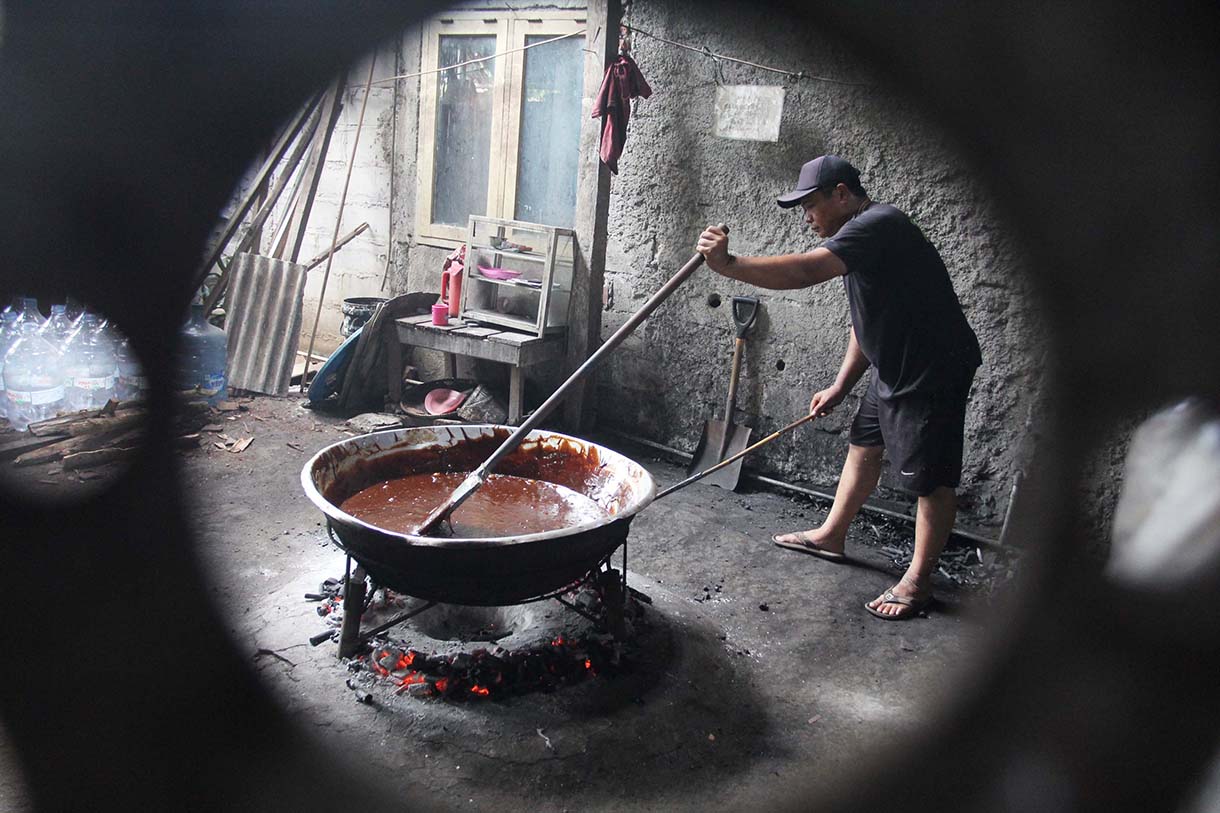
535,286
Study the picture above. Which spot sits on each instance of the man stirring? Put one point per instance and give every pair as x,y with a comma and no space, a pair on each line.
908,325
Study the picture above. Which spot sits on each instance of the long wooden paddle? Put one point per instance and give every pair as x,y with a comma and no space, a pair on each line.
735,457
479,476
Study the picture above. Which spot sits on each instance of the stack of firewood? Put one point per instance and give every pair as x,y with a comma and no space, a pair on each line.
94,437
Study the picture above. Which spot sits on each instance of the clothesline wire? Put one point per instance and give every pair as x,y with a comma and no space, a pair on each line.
715,57
704,51
476,59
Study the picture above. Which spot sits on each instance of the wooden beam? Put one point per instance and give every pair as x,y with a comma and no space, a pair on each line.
250,240
343,241
273,159
334,240
295,234
80,443
27,443
592,214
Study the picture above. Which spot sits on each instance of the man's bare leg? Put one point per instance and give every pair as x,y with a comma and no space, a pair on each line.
933,523
861,470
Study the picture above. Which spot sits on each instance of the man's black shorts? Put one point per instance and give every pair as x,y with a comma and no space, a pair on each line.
922,433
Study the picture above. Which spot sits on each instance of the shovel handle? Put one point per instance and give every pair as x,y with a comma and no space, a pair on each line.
730,406
735,457
745,311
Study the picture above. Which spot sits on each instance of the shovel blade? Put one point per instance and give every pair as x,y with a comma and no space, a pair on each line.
735,437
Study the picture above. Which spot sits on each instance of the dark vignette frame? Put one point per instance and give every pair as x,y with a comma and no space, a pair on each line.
125,128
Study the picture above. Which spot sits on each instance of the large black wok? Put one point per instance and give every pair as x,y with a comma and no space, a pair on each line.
484,572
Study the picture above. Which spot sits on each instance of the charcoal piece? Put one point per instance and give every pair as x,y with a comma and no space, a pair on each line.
423,689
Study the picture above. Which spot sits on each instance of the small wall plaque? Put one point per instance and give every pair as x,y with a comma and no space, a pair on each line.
749,112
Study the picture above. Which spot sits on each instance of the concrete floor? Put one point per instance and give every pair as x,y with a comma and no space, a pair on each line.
728,703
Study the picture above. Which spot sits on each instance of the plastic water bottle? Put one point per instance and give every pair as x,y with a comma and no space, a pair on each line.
205,353
59,327
75,308
28,311
132,384
33,378
8,335
89,367
109,333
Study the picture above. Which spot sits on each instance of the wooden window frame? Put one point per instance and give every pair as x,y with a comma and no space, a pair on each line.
510,31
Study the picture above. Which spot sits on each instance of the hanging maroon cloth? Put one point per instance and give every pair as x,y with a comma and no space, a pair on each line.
622,83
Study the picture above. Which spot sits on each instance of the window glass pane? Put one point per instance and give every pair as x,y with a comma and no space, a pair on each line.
550,132
462,151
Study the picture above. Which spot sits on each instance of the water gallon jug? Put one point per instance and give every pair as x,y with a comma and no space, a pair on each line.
132,384
28,311
57,329
74,308
33,378
89,366
205,353
110,335
8,335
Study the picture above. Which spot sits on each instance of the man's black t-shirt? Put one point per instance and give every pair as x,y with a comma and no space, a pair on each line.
906,316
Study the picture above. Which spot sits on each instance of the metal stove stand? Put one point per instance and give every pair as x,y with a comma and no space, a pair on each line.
358,591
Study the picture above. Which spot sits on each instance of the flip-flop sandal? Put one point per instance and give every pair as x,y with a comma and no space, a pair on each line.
810,548
914,606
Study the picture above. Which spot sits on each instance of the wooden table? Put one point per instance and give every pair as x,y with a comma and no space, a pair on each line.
518,350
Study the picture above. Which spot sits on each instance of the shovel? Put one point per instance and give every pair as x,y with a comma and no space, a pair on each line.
724,438
735,458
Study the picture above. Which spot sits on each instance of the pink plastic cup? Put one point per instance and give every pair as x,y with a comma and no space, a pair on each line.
440,314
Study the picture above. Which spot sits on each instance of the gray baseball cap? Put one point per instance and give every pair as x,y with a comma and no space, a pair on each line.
822,172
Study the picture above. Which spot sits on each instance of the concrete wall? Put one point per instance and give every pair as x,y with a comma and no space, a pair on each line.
676,177
358,268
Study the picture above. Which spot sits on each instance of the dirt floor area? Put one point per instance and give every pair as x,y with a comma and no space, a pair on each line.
752,669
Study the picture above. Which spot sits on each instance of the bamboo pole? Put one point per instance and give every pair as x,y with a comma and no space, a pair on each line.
255,230
338,221
264,172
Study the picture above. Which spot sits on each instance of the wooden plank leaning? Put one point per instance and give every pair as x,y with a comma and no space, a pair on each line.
351,164
289,245
273,159
256,225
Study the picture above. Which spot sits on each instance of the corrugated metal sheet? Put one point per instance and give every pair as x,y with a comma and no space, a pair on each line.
263,322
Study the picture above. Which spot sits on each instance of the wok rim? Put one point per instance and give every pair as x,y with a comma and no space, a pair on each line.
334,514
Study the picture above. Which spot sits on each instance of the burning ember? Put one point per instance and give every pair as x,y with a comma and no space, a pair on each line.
497,672
494,672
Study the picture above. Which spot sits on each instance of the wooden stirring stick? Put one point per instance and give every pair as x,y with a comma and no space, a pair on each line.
735,457
477,477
